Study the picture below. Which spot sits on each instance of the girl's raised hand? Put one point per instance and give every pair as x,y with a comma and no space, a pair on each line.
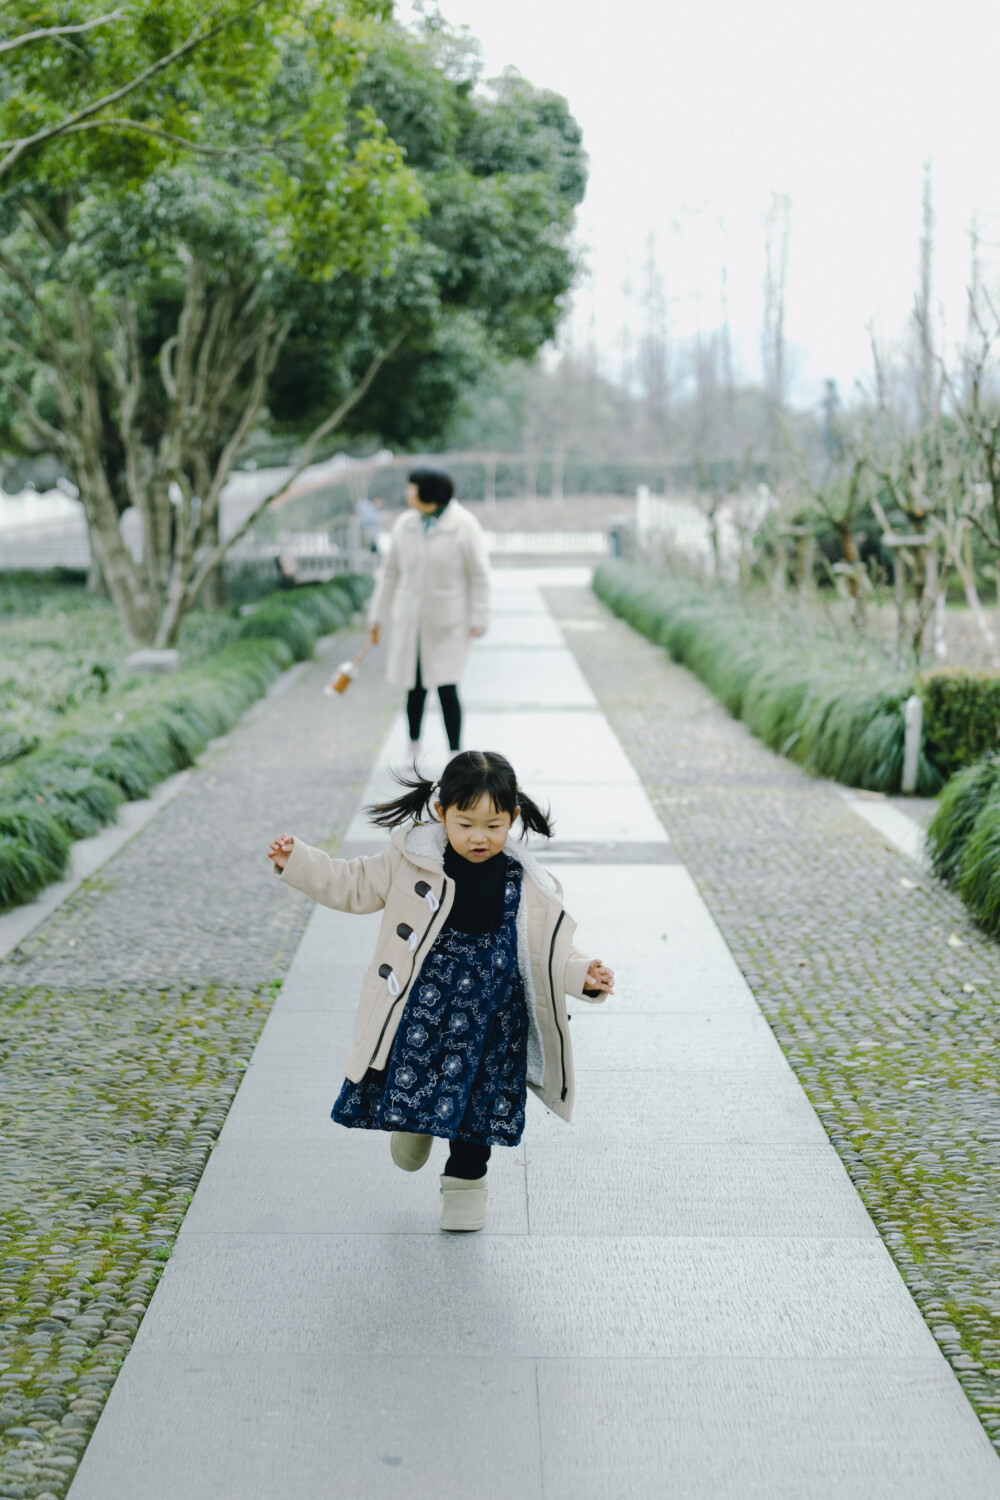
280,850
600,978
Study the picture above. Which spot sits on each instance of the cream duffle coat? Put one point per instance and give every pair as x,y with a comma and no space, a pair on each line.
408,882
434,589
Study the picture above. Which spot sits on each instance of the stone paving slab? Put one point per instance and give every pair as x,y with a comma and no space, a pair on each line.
387,1424
610,1188
253,1186
548,676
711,1107
685,1039
543,1297
774,1429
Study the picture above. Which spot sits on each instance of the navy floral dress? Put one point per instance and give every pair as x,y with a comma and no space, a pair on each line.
459,1059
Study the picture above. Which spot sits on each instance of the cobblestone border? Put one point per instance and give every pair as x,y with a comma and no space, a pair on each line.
121,1095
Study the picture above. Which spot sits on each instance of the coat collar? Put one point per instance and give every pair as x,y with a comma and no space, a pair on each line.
424,844
449,520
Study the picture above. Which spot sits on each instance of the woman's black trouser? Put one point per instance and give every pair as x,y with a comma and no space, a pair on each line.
467,1160
451,710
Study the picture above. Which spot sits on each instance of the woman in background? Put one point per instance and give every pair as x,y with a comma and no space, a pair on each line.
434,594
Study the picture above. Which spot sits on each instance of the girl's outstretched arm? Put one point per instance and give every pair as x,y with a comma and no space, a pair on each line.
354,885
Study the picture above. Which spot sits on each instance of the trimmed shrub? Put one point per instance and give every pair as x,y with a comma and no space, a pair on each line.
300,616
957,812
22,872
961,716
836,715
33,841
72,786
978,878
14,743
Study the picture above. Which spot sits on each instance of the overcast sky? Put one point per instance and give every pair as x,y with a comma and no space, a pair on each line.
694,114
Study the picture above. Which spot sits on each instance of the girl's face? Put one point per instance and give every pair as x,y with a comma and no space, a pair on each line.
478,832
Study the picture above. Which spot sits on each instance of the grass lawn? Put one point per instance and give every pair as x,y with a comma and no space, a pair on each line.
62,651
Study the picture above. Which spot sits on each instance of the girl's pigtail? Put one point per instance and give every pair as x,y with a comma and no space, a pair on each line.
409,808
533,820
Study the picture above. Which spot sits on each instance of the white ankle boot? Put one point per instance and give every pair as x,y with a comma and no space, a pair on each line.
410,1151
463,1205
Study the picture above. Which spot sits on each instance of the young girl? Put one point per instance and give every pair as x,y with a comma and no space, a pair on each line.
463,1005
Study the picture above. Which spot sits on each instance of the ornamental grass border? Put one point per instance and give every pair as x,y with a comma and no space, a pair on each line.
835,712
72,785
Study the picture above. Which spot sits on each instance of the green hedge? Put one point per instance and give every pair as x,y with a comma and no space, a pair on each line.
961,717
837,715
964,839
72,786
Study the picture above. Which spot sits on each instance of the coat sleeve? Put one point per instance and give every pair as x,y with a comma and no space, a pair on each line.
576,977
380,604
477,572
355,885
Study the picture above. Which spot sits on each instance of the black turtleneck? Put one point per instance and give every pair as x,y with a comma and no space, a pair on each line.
479,891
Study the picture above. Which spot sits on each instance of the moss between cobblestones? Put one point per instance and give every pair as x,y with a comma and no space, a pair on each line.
120,1096
881,992
72,786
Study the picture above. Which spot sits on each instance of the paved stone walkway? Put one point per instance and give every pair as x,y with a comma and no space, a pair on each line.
126,1020
680,1294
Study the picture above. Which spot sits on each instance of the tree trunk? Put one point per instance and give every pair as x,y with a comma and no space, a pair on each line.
213,593
96,582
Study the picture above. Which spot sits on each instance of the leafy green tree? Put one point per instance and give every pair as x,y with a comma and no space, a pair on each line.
502,169
147,267
336,200
85,88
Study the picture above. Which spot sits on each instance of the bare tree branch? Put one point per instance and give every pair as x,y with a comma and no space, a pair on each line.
116,123
50,132
211,562
44,430
45,32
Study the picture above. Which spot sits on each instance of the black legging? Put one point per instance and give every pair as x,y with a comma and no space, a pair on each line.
467,1160
451,710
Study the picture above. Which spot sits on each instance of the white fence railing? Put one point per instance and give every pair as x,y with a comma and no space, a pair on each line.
548,543
679,524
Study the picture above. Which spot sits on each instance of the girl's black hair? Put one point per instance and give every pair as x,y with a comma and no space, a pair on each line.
434,486
468,776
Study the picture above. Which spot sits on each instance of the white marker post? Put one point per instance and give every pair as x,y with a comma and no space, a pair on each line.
913,715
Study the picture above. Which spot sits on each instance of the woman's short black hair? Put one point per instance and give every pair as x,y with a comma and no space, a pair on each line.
434,486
